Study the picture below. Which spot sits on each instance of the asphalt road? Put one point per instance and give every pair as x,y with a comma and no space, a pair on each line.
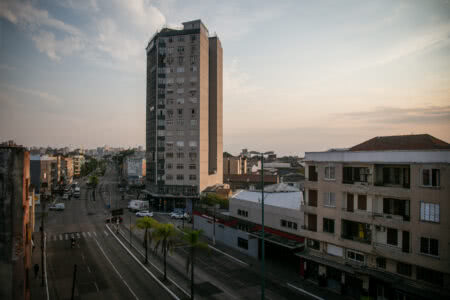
104,269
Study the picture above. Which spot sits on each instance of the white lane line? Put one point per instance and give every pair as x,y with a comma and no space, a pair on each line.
95,234
89,234
160,271
118,274
84,234
89,269
145,269
96,286
78,235
105,232
304,292
66,236
60,237
72,236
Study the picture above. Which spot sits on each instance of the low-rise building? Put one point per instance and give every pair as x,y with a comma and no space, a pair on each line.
249,181
377,218
235,165
78,162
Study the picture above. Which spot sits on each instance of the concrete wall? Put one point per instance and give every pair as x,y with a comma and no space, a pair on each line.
226,235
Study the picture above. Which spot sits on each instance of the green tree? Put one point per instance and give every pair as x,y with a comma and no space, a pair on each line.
93,181
192,237
148,224
164,236
213,199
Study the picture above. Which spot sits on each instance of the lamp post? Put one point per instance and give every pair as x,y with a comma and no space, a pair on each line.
214,223
263,279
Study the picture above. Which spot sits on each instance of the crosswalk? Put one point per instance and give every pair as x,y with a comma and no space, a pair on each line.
54,237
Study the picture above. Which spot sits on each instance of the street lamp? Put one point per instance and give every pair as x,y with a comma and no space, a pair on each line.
261,155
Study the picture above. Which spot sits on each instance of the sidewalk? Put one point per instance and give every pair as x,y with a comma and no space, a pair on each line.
37,291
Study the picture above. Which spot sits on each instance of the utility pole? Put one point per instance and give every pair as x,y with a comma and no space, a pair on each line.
130,231
214,224
262,223
74,279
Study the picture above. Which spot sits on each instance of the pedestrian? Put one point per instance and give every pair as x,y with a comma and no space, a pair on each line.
36,270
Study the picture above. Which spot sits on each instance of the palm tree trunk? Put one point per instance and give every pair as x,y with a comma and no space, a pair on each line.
165,255
192,273
145,240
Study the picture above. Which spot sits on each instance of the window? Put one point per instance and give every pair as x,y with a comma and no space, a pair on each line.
242,243
429,246
330,173
312,198
193,59
169,155
193,122
180,144
180,59
429,212
362,202
192,166
193,38
355,256
404,269
431,177
430,276
381,262
180,112
193,100
170,113
355,174
180,166
180,155
192,144
313,244
180,91
328,225
192,177
180,122
180,177
396,207
392,236
243,213
329,199
180,101
288,224
180,49
193,68
180,132
169,144
170,41
181,39
192,155
180,69
169,166
169,177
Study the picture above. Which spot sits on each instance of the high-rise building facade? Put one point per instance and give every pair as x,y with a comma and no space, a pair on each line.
184,110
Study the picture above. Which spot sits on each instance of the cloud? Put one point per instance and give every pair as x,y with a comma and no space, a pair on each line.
46,97
46,43
395,115
85,5
7,67
237,82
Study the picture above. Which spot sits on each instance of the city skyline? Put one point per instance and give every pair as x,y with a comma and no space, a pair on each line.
74,73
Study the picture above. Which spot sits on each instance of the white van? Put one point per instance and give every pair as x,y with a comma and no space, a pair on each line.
137,205
57,206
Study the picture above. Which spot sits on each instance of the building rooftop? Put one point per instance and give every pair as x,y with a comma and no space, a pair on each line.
402,142
290,197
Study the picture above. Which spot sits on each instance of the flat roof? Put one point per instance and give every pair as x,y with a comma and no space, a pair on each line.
291,200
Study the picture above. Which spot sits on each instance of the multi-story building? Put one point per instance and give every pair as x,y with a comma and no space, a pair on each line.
235,165
377,218
15,223
78,161
134,168
67,169
184,111
41,171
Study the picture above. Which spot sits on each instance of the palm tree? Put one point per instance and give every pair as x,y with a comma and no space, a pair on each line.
192,237
164,235
148,224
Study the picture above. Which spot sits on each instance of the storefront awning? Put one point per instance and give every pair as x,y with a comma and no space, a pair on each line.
278,237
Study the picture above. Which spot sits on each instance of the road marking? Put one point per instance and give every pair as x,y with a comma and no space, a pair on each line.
305,292
96,286
89,269
60,237
105,232
66,237
120,276
89,234
78,235
84,234
95,234
72,236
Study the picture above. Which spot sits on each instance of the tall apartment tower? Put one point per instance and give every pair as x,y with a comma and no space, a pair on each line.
184,111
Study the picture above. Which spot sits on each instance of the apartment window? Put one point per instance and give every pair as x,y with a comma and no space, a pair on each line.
329,199
355,256
328,225
192,166
193,100
180,177
180,59
431,177
242,243
161,133
181,38
169,166
180,122
429,246
362,202
180,166
392,236
169,144
169,133
170,41
180,132
193,132
429,212
170,113
180,49
180,155
169,101
180,144
396,207
169,60
169,177
193,122
192,177
381,262
288,224
404,269
313,244
180,80
193,68
192,144
193,38
193,59
312,198
192,155
180,91
242,212
180,69
330,173
430,276
180,101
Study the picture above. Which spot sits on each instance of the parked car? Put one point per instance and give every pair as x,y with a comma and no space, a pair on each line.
57,206
144,213
178,215
65,197
113,220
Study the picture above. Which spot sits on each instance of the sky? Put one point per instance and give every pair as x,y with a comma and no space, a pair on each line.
298,75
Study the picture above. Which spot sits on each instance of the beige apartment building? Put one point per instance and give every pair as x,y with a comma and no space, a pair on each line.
377,218
235,165
184,111
78,162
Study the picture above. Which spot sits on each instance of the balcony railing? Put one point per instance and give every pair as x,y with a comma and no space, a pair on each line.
356,239
387,184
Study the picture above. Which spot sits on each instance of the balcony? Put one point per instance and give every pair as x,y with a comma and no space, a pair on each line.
356,231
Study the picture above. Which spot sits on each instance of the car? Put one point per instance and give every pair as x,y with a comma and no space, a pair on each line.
144,213
57,206
113,220
65,196
179,215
